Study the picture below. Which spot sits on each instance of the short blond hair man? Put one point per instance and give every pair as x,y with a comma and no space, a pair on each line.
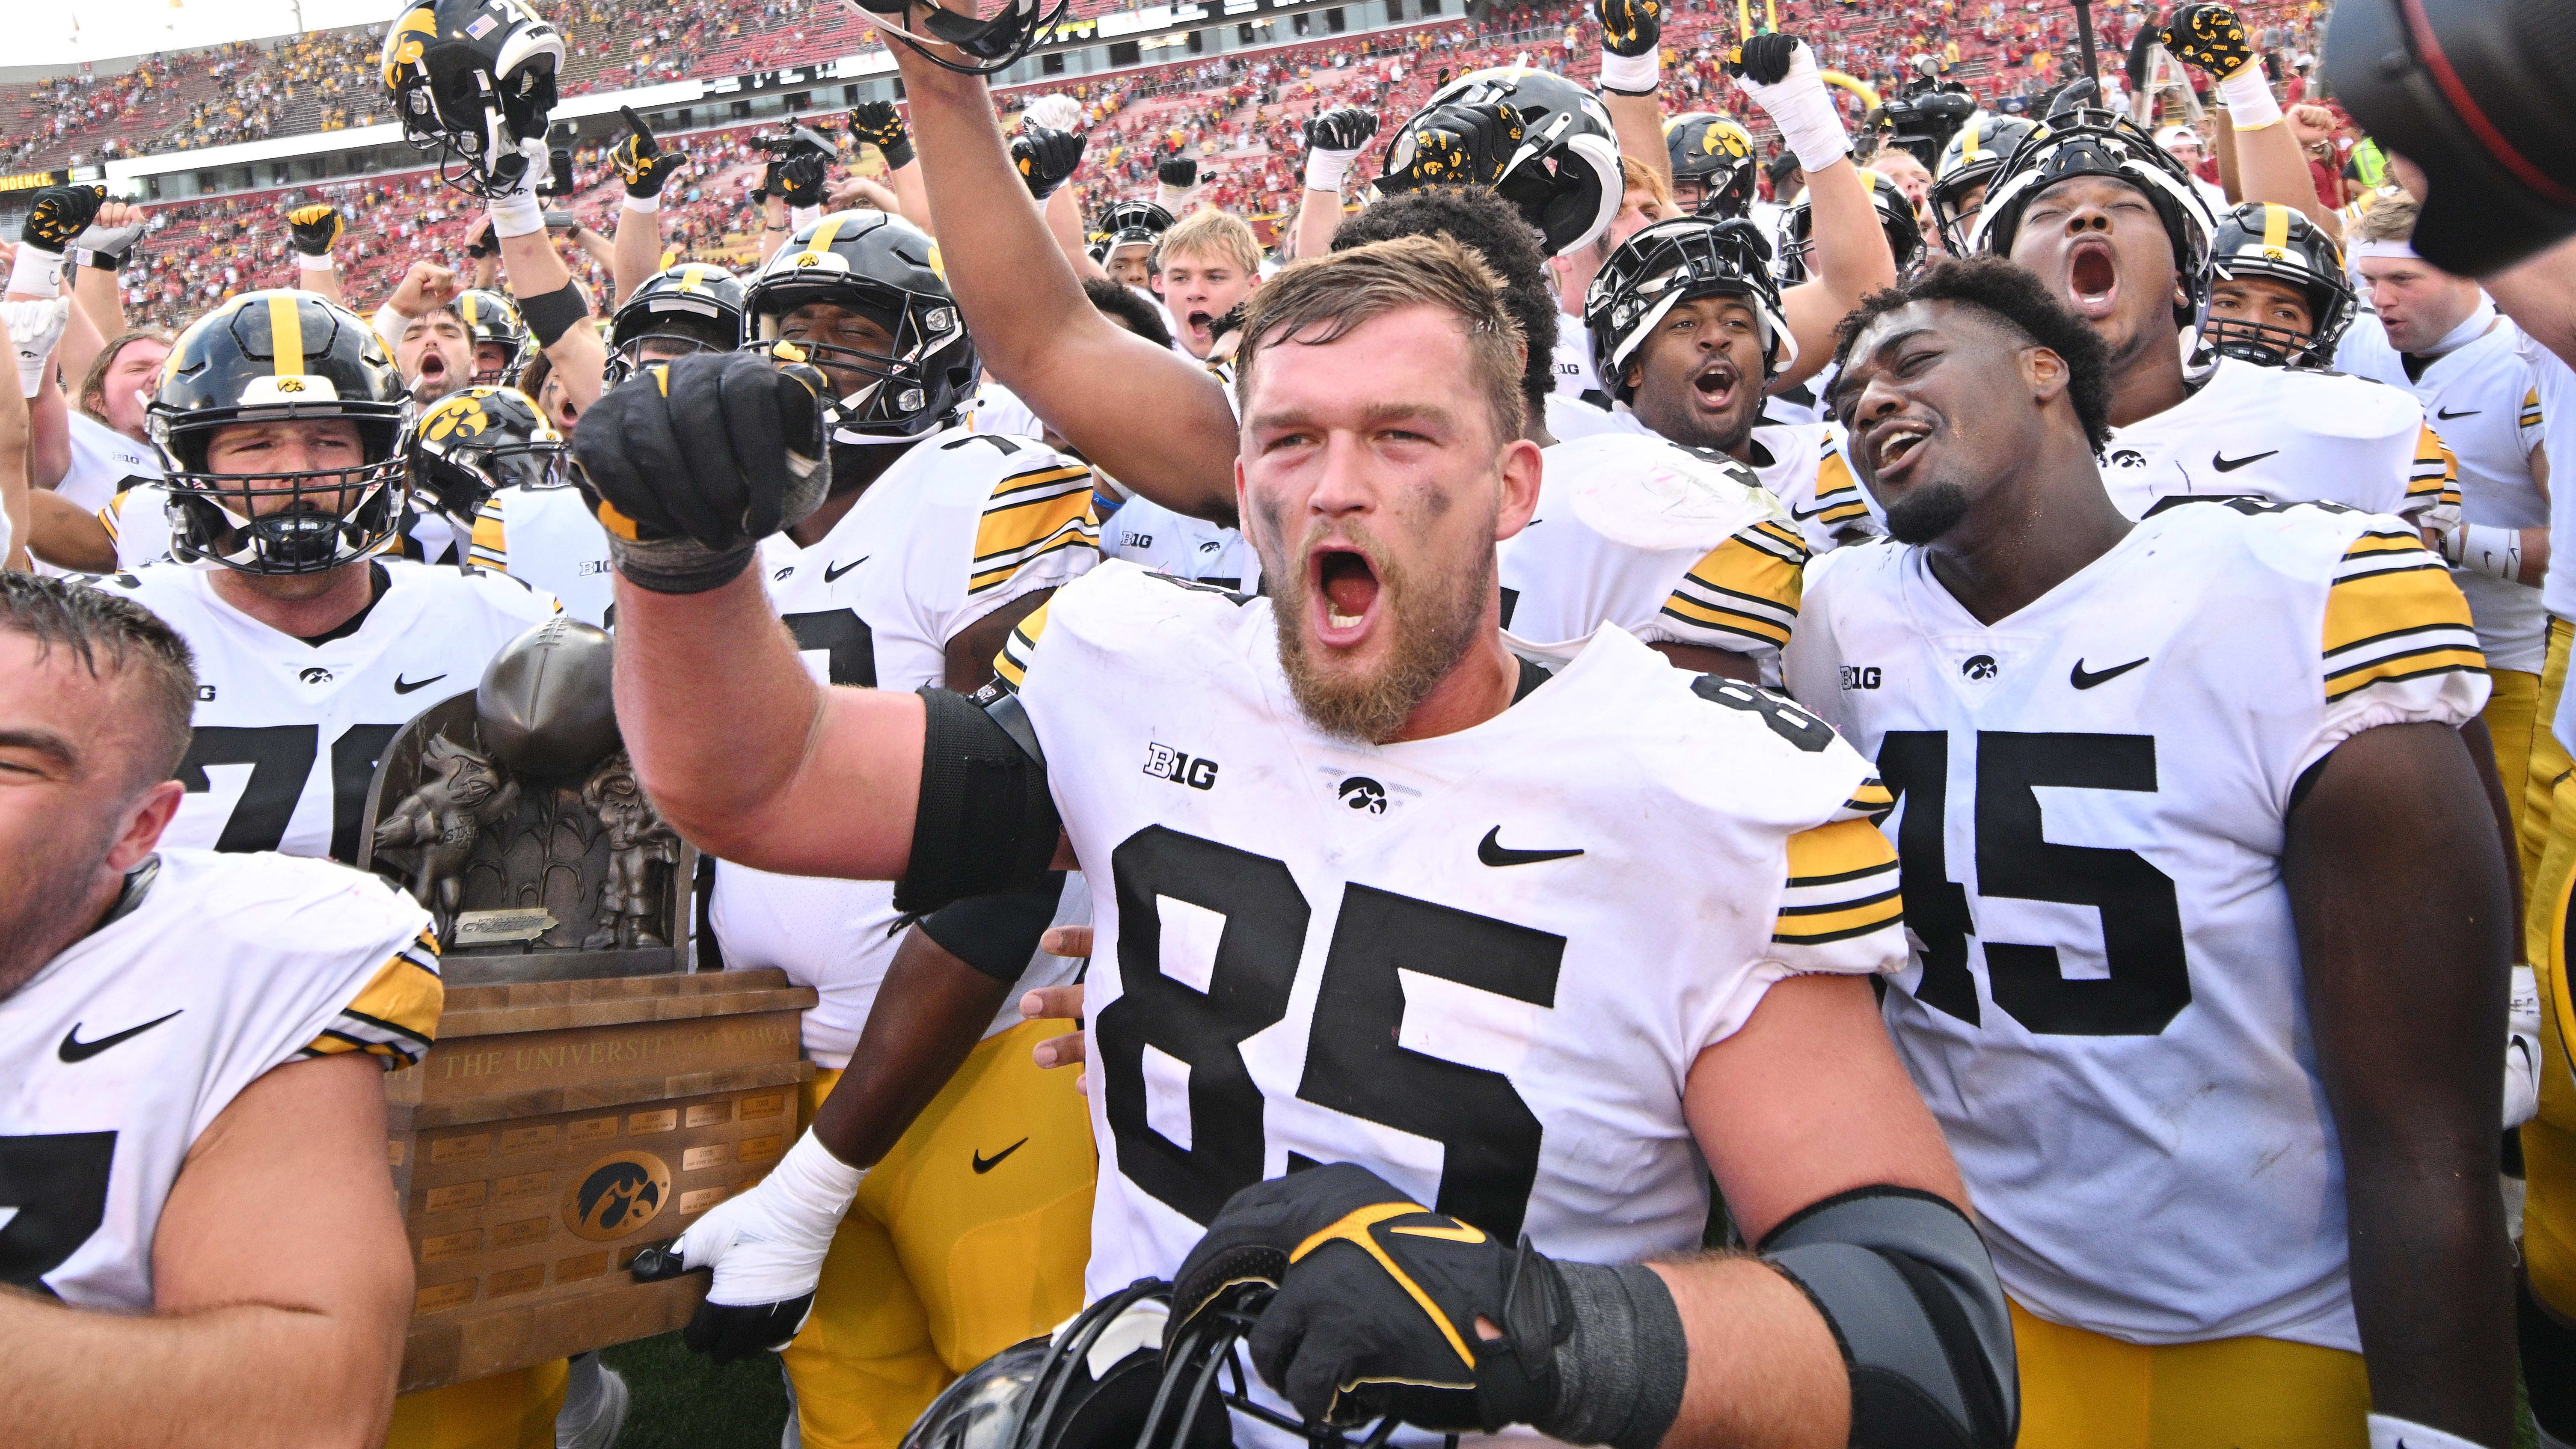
1207,262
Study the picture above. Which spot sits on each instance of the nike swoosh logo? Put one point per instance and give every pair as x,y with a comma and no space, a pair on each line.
2226,464
406,686
1810,513
74,1049
1491,851
2082,680
985,1164
2447,416
830,573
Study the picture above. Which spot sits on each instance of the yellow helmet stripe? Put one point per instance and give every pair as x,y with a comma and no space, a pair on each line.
1972,142
2276,226
286,334
469,305
823,235
691,275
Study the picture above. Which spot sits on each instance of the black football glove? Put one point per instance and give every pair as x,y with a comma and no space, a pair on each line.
61,213
696,460
2210,38
315,227
482,243
800,179
1343,128
1764,59
1178,172
1630,27
880,125
642,162
1046,158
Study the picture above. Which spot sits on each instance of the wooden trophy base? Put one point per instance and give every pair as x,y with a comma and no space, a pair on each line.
560,1127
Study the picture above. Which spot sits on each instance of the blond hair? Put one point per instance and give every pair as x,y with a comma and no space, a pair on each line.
1636,175
1321,299
2390,218
1211,233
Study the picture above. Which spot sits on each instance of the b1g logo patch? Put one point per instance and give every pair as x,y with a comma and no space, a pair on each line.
617,1195
1165,763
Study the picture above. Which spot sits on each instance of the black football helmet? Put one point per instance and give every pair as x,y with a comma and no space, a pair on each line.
1895,217
1969,163
1668,264
2091,142
693,307
992,44
476,441
279,356
1542,143
1130,223
473,81
1716,154
492,318
884,269
2263,239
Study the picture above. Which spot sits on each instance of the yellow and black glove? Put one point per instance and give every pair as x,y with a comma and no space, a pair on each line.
315,228
1045,158
642,162
2209,38
61,213
880,125
1630,27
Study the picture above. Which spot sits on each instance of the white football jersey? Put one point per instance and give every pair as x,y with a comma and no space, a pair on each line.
104,463
1673,546
1804,467
2286,435
2475,395
1459,962
547,538
2105,1009
1146,533
122,1050
288,733
963,524
1573,363
138,523
997,409
1569,418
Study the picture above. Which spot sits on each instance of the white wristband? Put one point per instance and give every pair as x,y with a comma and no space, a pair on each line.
1327,170
1634,74
517,214
801,217
1173,198
2387,1431
390,324
37,272
2247,95
2487,549
1804,111
322,263
644,204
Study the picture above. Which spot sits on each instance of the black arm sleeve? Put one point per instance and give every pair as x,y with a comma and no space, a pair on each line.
997,934
984,821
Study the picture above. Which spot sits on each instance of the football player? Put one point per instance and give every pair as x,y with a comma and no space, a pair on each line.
499,336
1356,778
1131,229
2216,1054
2107,220
931,544
203,1246
489,462
2436,335
1968,166
108,452
1206,263
1713,165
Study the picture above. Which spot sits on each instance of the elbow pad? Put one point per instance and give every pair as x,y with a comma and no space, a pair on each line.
1906,1285
985,821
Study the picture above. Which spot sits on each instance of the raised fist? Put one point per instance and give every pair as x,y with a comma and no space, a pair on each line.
1630,27
1765,59
1181,172
1045,157
692,462
799,179
1343,128
315,228
1056,111
880,125
2209,38
640,160
61,213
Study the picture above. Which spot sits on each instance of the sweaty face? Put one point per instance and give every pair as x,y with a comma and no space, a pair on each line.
2418,303
2100,246
127,387
1934,418
1370,483
1698,375
436,356
2251,302
830,325
1199,289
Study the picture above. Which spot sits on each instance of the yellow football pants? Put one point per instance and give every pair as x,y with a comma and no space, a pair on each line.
970,1236
2549,1140
2081,1390
506,1411
2513,699
2548,759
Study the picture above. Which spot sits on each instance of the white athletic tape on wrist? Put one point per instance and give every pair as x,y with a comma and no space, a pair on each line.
517,214
322,263
647,205
1635,74
36,272
1174,198
2248,98
767,1243
2387,1431
2487,549
1327,170
1804,111
801,217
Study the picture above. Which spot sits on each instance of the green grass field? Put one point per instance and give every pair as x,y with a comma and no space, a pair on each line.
683,1400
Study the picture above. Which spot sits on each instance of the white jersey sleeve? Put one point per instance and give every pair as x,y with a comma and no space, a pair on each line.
548,539
125,1048
2398,644
137,521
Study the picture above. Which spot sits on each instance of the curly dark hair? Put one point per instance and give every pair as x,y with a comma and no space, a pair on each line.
1127,309
2014,295
1502,238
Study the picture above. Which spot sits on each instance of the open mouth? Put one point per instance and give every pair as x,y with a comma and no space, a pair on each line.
1346,593
2092,278
1198,322
1895,446
1716,386
433,368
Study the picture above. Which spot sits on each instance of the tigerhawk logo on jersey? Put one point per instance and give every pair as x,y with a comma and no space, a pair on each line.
617,1195
2128,458
315,674
1978,667
1165,763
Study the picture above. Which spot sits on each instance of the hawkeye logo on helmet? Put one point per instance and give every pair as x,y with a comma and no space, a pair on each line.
302,387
